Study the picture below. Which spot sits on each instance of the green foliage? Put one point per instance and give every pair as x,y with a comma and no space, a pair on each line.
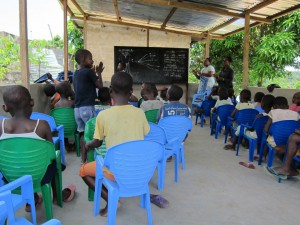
75,38
9,55
57,42
196,60
38,52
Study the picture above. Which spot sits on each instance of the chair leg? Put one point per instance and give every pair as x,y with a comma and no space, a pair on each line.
90,195
62,150
202,119
148,207
58,185
238,145
176,166
252,145
161,169
97,196
46,191
271,155
182,156
112,207
218,127
77,144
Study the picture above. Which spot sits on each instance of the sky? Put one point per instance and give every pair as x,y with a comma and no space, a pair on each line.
40,13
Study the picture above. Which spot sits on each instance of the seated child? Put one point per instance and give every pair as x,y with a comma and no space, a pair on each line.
223,99
232,96
214,93
174,108
280,112
257,101
18,102
163,96
66,93
150,101
245,97
296,103
104,99
111,125
149,86
49,90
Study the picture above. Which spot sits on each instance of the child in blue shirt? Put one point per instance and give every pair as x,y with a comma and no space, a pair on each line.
174,108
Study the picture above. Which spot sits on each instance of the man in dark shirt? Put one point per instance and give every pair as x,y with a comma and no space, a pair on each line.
85,84
225,78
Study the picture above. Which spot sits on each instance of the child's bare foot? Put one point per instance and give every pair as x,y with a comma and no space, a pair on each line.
38,199
103,212
286,172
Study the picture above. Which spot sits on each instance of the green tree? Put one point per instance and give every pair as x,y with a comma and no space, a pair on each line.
196,60
9,55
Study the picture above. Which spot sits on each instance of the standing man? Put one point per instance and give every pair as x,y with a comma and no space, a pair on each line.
225,78
207,73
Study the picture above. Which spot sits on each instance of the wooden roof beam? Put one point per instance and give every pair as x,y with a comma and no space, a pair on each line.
78,7
173,10
117,10
135,24
201,8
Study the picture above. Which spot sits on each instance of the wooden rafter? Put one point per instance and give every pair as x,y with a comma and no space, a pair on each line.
78,7
117,10
251,10
201,8
173,10
143,26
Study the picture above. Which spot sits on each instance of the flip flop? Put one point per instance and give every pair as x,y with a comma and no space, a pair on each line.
271,171
70,192
247,165
228,147
159,201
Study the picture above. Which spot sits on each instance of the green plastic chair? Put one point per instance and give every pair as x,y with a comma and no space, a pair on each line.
30,156
88,136
66,117
151,115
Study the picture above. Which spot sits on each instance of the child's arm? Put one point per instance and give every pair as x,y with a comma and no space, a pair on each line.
233,113
43,130
99,69
88,146
268,125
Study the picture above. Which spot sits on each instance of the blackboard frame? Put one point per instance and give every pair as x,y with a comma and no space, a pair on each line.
167,65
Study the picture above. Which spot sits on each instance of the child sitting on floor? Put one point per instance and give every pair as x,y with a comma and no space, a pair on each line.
104,99
296,103
174,108
280,112
18,102
257,101
66,93
150,101
245,97
111,125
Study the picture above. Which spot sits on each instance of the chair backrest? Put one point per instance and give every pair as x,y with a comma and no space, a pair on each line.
65,117
176,126
282,130
133,164
223,112
89,130
207,105
42,116
151,115
25,156
6,208
136,104
157,134
259,125
245,116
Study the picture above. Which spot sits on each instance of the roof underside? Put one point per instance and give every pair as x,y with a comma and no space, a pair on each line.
196,18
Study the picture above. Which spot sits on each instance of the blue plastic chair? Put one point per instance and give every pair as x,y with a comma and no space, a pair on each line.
177,127
244,116
207,105
3,117
281,132
26,195
59,129
258,126
223,112
172,147
136,104
7,212
133,165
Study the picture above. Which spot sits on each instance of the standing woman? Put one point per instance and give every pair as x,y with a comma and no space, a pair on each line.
208,71
225,78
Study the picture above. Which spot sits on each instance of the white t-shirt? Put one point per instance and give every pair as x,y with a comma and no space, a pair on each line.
211,80
283,114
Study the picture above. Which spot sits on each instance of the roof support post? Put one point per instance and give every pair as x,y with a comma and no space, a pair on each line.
24,43
148,36
85,32
66,56
246,51
207,45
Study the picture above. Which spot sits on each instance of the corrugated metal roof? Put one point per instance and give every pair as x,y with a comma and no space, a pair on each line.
194,17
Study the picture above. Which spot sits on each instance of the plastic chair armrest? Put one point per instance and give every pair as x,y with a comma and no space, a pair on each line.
171,143
99,166
20,182
246,126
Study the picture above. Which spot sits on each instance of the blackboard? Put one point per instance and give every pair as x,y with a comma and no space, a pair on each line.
154,65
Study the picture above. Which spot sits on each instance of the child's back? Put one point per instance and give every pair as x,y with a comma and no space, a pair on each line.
66,94
150,102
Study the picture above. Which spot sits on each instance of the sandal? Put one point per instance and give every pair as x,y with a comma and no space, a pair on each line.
247,165
69,193
37,201
229,147
271,171
159,201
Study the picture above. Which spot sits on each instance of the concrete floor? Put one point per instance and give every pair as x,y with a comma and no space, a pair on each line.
213,190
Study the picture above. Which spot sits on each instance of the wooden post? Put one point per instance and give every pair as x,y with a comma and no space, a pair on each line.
148,34
85,31
246,51
207,45
24,44
66,56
